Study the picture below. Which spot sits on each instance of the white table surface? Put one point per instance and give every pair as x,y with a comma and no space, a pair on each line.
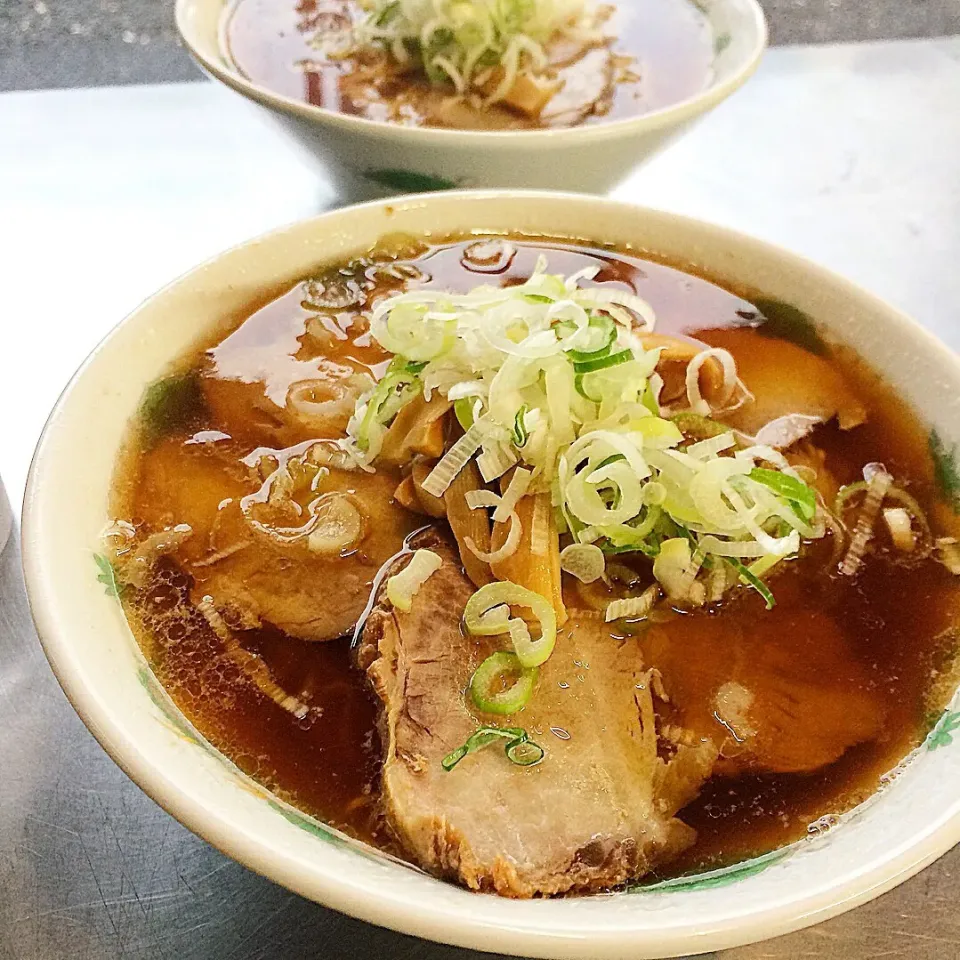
846,154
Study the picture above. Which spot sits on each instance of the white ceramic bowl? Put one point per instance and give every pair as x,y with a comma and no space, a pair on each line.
370,158
914,819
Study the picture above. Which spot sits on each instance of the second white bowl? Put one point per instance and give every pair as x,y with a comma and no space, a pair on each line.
368,158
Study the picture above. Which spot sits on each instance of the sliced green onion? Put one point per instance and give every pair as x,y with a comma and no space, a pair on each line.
605,331
463,410
649,400
698,553
491,673
400,365
559,395
632,608
630,535
609,301
530,652
504,552
654,494
453,461
583,561
604,362
710,447
675,567
402,587
413,330
752,580
879,484
496,459
335,525
589,499
580,386
457,45
454,757
790,488
519,748
515,492
748,549
728,366
520,433
846,492
657,432
389,396
764,565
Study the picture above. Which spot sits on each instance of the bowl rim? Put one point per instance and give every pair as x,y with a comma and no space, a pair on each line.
524,933
669,115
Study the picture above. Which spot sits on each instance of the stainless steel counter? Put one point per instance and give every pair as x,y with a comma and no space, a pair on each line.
83,43
846,154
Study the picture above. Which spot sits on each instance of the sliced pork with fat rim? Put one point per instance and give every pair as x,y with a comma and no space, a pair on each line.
597,811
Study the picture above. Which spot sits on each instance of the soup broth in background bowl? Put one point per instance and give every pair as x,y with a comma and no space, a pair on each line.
889,812
664,64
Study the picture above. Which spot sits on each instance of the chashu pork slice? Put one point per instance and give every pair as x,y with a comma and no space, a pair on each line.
778,691
598,811
252,579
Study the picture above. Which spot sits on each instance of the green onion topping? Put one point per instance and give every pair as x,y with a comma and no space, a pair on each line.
463,410
457,44
752,580
520,432
790,488
553,377
602,363
491,674
519,748
606,330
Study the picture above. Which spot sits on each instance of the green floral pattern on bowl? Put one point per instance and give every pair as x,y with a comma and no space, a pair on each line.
169,714
715,878
409,181
942,734
946,471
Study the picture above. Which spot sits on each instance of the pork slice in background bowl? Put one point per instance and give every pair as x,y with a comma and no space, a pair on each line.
904,827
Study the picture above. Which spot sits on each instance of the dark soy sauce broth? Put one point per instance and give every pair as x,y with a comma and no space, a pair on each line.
897,622
670,42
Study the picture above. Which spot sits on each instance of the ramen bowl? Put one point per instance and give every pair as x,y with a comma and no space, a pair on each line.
367,158
846,860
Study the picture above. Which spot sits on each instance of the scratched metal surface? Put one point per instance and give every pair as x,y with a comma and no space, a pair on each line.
846,154
46,44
